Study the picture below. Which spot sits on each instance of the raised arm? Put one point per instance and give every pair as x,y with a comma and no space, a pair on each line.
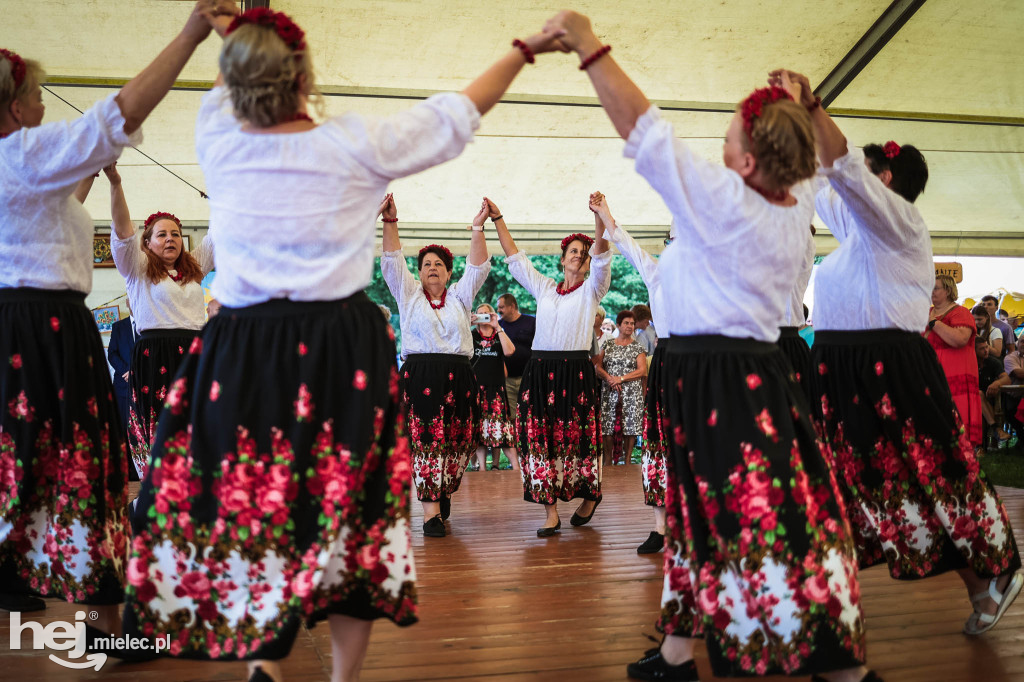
600,243
829,141
631,250
120,217
477,242
508,245
388,212
507,347
83,187
489,87
621,98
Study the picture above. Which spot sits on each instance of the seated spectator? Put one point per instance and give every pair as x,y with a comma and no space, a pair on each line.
991,376
646,335
1006,333
987,331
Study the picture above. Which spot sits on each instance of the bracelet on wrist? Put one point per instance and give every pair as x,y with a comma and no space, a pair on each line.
585,64
525,49
389,220
477,228
496,218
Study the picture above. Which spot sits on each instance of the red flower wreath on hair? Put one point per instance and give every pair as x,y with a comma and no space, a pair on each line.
17,66
160,215
752,107
891,150
447,257
589,241
286,29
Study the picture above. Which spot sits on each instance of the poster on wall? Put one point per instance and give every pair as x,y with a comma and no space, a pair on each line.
106,317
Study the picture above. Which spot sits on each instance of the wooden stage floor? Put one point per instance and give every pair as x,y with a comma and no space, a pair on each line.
499,603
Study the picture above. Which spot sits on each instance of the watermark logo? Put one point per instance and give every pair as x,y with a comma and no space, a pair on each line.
71,637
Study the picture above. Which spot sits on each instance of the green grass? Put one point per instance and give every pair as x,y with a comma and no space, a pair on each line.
1005,467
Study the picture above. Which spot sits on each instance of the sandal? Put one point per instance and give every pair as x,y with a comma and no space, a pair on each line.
983,622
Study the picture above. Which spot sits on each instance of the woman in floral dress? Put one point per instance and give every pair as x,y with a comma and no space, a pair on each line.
917,497
759,560
622,366
63,469
438,386
164,286
497,426
655,425
279,480
558,406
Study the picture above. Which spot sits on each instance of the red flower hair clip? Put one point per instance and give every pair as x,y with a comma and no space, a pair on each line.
161,216
442,251
752,107
589,241
17,66
286,29
891,150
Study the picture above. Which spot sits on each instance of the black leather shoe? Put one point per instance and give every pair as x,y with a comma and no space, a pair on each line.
548,532
654,543
446,507
578,520
259,676
21,602
653,667
434,528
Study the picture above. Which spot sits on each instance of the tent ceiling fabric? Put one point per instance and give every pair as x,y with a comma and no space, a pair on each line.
540,160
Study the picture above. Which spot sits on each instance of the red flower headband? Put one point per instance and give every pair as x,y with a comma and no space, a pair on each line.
286,29
17,66
589,241
446,255
161,216
754,104
891,150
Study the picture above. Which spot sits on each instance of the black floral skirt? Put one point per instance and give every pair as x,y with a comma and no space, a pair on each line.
559,428
799,353
278,485
652,464
496,427
155,360
63,469
759,559
439,391
916,495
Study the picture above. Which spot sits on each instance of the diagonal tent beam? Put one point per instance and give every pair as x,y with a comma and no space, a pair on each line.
870,44
253,4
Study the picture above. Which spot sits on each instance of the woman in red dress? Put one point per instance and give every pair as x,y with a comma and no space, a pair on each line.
951,332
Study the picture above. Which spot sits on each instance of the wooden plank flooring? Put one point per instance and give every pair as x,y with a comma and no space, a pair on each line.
499,603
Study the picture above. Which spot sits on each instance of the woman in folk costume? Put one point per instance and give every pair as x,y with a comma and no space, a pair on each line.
916,495
278,486
438,385
559,404
759,559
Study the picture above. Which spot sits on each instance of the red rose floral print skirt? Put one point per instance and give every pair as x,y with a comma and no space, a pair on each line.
440,393
155,361
759,558
559,428
496,427
799,354
916,494
63,469
278,486
652,464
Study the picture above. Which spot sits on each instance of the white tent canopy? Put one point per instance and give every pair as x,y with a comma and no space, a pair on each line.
949,82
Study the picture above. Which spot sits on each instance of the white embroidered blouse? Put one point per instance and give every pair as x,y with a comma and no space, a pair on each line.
564,322
882,274
429,330
45,234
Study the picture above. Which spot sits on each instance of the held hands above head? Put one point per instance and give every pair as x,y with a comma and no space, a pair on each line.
574,31
599,205
207,14
388,210
113,177
492,210
480,217
796,84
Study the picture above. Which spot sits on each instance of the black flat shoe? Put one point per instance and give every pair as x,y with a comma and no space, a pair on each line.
578,520
446,507
259,676
548,532
434,528
653,667
654,543
21,603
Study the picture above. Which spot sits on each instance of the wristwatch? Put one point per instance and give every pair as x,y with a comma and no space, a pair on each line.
931,323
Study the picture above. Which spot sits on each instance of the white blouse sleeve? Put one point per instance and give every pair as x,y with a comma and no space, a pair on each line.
128,256
833,212
600,279
204,254
396,273
473,277
432,132
524,272
881,212
632,252
699,194
59,154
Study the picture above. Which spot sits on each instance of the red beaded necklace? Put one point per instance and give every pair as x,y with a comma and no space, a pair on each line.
769,195
562,291
177,276
436,306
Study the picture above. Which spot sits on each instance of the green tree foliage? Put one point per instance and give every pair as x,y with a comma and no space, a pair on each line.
627,288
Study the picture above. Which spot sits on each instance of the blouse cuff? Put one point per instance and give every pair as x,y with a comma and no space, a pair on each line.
600,258
517,257
396,254
109,112
648,120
